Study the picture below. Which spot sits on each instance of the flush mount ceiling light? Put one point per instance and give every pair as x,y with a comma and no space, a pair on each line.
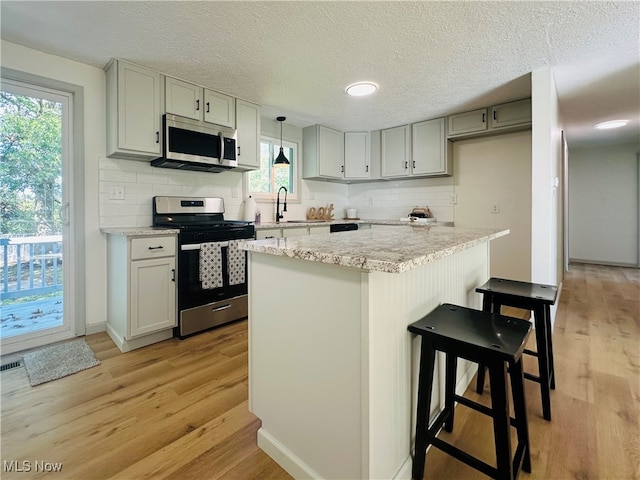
611,124
361,89
281,159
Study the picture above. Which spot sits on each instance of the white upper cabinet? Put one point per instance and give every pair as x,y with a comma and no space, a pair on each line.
431,152
193,101
395,151
506,117
512,113
248,142
219,108
323,152
356,155
468,122
182,98
133,111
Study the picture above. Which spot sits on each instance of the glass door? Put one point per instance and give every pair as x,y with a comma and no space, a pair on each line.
35,265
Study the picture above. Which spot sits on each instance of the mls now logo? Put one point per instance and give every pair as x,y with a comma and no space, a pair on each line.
28,466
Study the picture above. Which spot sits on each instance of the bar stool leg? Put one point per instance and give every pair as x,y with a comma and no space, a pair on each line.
486,307
520,413
450,389
500,408
425,385
543,361
552,370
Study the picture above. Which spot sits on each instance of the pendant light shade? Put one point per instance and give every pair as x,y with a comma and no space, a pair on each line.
281,159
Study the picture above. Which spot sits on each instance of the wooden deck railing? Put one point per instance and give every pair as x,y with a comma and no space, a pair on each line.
30,266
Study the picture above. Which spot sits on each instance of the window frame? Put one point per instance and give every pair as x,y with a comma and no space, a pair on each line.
270,197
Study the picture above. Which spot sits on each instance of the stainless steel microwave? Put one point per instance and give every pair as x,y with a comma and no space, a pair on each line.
189,144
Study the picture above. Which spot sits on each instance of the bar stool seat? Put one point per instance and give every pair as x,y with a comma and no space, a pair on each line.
495,341
529,296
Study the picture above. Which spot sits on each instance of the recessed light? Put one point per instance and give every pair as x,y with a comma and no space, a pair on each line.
611,124
361,89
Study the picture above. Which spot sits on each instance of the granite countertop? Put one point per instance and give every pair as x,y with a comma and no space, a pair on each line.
139,231
393,250
334,222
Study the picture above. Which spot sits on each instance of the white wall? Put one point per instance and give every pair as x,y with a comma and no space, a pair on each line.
546,180
497,171
93,81
603,204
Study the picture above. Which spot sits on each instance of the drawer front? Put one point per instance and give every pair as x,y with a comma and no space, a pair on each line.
153,247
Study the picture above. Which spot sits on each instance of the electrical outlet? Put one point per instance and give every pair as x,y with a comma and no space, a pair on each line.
495,208
116,193
454,198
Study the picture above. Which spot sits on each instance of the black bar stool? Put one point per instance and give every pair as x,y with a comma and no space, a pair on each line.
537,298
487,338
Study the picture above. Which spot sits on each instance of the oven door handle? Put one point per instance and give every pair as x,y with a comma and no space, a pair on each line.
196,246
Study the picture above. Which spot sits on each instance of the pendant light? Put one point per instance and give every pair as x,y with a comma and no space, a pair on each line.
281,159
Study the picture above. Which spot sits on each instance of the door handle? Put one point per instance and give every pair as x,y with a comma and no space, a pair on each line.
207,107
157,137
197,105
159,247
173,274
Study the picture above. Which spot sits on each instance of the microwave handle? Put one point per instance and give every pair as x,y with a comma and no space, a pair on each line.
221,148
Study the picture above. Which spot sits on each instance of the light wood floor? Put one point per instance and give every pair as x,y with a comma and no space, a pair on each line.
595,426
178,409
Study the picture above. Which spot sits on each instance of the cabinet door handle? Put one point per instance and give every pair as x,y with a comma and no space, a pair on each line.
269,237
366,169
159,247
173,274
413,164
157,137
197,105
207,107
238,150
341,168
495,115
406,165
483,118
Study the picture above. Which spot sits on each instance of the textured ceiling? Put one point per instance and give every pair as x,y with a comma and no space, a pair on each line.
429,58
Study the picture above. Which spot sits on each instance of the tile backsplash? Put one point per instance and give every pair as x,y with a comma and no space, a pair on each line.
374,200
141,182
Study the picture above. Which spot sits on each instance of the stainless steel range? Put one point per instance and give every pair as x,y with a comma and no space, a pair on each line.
212,271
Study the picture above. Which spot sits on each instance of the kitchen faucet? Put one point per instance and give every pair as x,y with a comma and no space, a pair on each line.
284,209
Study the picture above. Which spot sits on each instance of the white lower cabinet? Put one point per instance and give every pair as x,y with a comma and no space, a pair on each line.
319,229
141,289
263,233
299,231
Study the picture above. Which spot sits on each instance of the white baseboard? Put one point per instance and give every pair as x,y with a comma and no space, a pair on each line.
126,345
92,328
284,457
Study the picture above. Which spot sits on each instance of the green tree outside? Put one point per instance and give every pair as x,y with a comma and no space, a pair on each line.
30,165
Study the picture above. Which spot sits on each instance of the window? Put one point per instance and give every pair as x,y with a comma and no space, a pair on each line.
264,183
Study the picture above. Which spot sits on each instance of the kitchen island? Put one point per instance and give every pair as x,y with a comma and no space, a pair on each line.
332,368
